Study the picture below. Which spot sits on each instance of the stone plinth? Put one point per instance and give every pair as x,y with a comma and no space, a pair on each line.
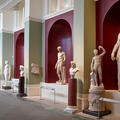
95,93
72,96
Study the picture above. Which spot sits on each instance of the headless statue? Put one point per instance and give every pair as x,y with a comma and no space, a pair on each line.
96,68
116,49
60,65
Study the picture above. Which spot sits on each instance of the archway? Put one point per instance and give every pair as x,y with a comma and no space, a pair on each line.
60,34
19,54
111,28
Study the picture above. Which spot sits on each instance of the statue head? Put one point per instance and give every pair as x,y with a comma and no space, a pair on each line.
59,48
73,64
21,67
6,62
95,51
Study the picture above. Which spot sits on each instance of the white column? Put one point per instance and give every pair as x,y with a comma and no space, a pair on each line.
58,5
45,8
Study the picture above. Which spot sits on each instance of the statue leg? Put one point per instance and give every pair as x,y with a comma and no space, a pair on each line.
96,76
58,73
118,63
100,74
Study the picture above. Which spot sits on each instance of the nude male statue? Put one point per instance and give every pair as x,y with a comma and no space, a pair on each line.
60,65
117,57
96,65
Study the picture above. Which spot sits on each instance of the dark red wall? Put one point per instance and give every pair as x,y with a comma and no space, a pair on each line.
58,32
18,51
108,26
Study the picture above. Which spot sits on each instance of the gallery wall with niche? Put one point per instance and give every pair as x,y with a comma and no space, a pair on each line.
58,32
108,27
18,51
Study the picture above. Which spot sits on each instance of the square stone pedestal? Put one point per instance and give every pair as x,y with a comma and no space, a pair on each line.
97,114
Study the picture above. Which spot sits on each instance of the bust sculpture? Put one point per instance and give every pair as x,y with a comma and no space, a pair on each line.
96,74
116,49
7,71
73,70
21,71
60,66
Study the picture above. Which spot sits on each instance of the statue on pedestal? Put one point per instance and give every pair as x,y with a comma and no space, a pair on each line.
117,57
21,71
96,85
72,89
60,66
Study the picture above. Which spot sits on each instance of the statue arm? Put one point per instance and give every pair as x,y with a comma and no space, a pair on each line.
116,46
64,57
92,65
104,51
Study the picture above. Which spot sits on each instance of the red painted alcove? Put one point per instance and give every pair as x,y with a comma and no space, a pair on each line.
108,27
59,33
19,52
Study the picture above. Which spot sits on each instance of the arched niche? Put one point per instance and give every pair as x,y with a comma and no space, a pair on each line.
19,54
111,28
60,34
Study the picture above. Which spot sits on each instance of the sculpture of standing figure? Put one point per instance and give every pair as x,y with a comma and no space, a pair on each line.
21,71
96,65
73,69
117,49
7,71
60,65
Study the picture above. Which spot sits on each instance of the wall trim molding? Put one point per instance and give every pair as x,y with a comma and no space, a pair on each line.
57,13
6,31
29,18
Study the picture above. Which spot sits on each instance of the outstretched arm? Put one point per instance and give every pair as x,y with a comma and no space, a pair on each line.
104,51
115,48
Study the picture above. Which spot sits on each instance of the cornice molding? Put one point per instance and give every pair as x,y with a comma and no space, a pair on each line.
57,13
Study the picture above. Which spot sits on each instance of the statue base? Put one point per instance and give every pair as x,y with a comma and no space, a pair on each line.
21,94
60,83
96,92
97,114
71,109
6,87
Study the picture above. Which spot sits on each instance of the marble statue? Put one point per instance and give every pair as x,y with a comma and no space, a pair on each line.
21,71
7,71
96,90
73,70
96,68
115,56
60,66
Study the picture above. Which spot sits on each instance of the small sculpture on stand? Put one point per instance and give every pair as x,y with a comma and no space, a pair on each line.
115,56
72,90
21,83
73,69
96,91
7,76
60,66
